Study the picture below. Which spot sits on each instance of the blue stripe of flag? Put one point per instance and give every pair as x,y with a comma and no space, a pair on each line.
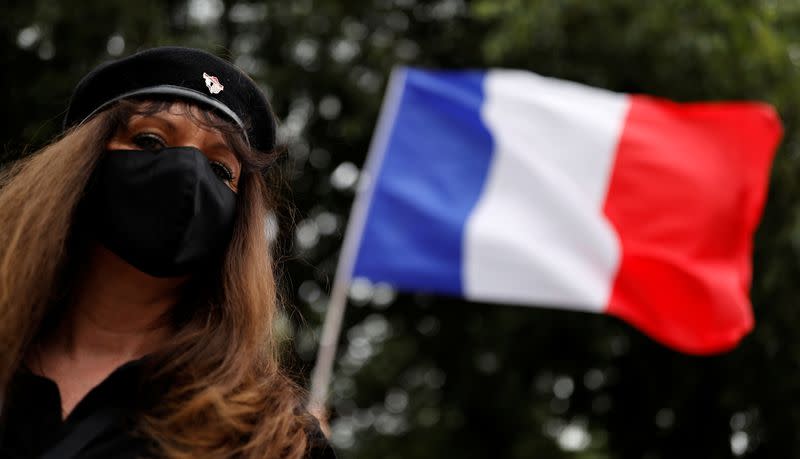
436,161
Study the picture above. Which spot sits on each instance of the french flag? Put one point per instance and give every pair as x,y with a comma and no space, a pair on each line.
509,187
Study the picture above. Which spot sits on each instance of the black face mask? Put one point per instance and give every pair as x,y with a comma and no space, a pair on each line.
165,212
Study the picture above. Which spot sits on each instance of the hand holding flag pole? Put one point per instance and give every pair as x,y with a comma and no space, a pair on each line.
508,187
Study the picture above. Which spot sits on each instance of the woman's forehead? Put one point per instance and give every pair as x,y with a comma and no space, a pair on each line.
173,122
180,111
174,107
175,111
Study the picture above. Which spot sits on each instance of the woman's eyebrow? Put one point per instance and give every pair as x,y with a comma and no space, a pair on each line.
221,146
164,122
225,148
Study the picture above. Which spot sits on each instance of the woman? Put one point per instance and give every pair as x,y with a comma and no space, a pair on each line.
137,294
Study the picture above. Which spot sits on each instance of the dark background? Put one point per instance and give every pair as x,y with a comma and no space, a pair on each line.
430,377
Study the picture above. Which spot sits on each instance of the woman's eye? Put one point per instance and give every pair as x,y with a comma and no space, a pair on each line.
222,171
148,141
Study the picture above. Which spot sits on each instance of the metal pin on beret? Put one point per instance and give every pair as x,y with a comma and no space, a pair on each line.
178,72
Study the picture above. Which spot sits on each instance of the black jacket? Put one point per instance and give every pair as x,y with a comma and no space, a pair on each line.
100,426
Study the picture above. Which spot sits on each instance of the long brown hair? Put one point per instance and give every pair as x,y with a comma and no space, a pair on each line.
224,392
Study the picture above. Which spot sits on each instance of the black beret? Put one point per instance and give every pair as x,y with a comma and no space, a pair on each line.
179,72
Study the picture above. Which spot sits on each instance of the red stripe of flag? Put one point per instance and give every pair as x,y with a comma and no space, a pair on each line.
686,193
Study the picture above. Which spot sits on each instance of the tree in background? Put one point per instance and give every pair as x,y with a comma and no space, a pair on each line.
421,376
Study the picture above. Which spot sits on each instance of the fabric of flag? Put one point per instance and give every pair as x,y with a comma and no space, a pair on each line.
505,186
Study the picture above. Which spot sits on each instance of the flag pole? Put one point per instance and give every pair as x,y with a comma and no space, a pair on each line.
331,329
334,316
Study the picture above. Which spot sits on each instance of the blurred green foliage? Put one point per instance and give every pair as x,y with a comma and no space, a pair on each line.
421,376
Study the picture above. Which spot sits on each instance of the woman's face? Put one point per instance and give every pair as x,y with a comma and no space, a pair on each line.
172,127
